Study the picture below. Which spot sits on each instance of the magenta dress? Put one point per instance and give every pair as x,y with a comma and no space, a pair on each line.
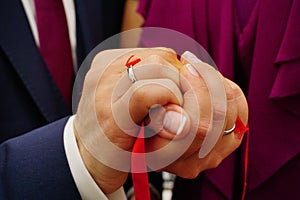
257,45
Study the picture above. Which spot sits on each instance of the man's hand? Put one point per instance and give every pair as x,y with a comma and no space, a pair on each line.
111,107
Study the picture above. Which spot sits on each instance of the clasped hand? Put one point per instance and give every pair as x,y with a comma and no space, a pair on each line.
185,104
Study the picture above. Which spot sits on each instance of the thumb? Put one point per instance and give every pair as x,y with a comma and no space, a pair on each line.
169,122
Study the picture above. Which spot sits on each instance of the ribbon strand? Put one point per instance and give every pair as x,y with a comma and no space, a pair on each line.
140,180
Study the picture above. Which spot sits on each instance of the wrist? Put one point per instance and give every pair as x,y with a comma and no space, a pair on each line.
108,180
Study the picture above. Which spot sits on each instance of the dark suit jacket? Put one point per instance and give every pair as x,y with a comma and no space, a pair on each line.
265,60
30,97
34,166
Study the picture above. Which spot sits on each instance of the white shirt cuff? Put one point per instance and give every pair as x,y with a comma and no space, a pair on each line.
86,185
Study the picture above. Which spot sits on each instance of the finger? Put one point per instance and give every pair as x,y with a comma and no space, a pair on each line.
237,107
152,67
242,105
194,94
214,84
238,100
197,104
134,105
232,108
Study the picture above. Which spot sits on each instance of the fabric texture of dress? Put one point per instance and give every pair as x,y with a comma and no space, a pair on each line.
263,57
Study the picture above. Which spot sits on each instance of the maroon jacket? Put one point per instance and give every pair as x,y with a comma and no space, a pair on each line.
263,57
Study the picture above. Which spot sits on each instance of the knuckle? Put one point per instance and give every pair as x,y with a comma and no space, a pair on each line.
190,173
202,129
138,93
155,59
216,161
232,93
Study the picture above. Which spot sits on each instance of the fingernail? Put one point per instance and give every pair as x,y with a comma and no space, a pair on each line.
191,57
174,122
192,70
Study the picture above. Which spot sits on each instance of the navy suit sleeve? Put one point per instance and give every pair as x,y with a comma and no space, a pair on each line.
34,166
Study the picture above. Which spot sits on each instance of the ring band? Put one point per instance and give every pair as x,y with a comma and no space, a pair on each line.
131,74
226,132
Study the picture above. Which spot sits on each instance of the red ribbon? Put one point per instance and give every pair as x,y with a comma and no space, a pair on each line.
133,62
140,180
241,129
